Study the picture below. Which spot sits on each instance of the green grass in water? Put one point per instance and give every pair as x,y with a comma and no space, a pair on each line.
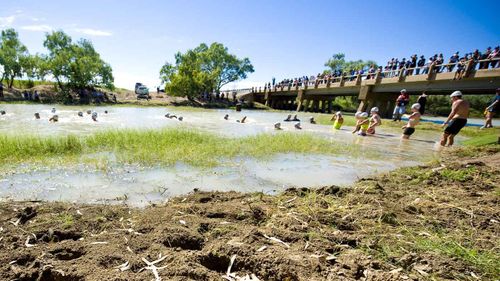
166,147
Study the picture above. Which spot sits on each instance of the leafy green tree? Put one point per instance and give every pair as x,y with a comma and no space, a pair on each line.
338,63
32,66
203,69
12,53
223,67
75,65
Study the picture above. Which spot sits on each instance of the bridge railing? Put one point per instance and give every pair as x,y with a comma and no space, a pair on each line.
401,73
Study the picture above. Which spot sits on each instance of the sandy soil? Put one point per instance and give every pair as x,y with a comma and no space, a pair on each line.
378,229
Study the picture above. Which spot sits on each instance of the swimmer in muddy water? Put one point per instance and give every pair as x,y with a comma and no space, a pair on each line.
53,110
288,118
358,119
89,112
242,120
94,116
105,112
180,118
456,120
375,120
226,117
413,121
37,115
297,126
363,124
277,126
2,112
295,118
54,118
80,113
339,120
311,120
167,115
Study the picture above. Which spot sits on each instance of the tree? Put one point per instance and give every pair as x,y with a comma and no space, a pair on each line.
338,64
203,69
223,67
75,65
12,53
33,67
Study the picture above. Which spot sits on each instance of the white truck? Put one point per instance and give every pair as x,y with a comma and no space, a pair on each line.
141,91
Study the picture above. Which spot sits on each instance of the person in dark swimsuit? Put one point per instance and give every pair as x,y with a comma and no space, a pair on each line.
422,100
456,120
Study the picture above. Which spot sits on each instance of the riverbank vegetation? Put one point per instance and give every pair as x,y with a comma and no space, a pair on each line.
432,222
165,146
73,66
204,69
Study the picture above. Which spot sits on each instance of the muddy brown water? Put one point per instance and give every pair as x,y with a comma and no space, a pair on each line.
140,185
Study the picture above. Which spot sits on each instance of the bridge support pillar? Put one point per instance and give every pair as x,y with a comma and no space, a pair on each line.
267,96
365,94
250,99
323,105
272,103
330,102
315,105
306,106
300,99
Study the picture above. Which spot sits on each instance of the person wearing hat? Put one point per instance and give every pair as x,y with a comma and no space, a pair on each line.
375,121
456,120
420,64
339,120
453,61
491,110
363,124
400,108
413,121
422,100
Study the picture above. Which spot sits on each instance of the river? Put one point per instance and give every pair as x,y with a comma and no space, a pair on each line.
140,185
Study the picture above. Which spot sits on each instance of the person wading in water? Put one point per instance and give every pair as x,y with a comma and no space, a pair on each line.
457,118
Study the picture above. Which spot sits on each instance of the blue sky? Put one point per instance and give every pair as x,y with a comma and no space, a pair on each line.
283,39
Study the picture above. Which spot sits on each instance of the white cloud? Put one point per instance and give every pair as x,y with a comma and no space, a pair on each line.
6,21
35,19
93,32
38,27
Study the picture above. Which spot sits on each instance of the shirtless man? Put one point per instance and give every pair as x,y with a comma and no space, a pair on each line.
375,120
457,118
413,121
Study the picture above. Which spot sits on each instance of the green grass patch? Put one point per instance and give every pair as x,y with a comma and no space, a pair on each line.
165,147
461,175
482,140
486,261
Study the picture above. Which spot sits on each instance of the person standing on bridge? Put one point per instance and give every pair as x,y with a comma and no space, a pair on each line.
420,64
491,110
456,120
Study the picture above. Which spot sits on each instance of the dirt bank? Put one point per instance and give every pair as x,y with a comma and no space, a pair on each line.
438,222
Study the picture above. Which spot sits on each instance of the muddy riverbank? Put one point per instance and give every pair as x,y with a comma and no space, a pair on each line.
434,222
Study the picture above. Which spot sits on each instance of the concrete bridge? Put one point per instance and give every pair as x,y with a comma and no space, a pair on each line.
376,89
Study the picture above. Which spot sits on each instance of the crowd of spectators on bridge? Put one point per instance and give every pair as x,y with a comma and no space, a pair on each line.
415,65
